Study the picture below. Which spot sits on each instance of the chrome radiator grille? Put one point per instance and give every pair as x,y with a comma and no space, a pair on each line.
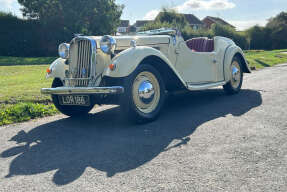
77,82
80,64
84,59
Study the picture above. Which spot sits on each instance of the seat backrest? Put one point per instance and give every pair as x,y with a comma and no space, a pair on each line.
209,46
196,44
201,44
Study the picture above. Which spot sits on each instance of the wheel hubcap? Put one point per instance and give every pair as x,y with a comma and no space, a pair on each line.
146,92
235,74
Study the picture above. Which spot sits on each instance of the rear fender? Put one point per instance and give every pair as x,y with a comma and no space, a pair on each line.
231,52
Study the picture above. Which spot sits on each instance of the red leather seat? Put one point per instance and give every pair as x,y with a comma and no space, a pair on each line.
201,44
196,44
209,47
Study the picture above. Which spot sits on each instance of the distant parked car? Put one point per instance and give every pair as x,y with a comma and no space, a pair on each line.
137,71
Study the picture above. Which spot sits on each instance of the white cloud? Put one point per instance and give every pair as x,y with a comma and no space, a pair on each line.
6,3
205,5
191,5
243,25
10,6
151,15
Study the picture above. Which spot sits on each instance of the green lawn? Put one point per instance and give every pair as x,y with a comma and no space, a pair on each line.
261,59
23,84
8,61
20,97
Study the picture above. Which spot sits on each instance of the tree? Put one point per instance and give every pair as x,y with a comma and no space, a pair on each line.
259,37
229,32
167,18
95,17
280,19
278,28
170,16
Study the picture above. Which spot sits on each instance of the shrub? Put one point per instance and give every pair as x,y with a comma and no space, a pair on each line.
171,17
259,38
189,33
225,31
273,36
277,27
156,25
24,112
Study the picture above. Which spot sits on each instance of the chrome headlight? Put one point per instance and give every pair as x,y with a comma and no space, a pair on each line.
108,44
64,49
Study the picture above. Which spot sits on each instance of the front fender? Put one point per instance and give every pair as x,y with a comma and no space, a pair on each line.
230,53
57,69
127,61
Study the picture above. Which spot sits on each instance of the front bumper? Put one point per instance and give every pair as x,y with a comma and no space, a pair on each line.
82,90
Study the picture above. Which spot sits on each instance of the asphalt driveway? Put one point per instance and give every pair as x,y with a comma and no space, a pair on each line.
203,141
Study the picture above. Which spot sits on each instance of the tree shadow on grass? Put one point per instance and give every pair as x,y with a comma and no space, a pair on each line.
106,142
262,63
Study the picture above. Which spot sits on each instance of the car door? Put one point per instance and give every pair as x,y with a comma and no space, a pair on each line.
196,67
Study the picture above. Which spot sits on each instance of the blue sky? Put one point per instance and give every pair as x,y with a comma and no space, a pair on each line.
241,13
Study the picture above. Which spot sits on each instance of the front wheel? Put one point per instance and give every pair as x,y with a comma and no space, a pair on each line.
72,111
144,94
236,77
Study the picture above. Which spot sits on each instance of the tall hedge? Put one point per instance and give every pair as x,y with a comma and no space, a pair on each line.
225,31
17,36
27,38
259,38
273,36
48,23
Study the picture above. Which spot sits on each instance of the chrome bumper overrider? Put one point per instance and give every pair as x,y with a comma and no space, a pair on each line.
82,90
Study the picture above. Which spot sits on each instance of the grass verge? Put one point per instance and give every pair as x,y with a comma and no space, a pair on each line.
23,84
261,59
24,111
10,61
20,97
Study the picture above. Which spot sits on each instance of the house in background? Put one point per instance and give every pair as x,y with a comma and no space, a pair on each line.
140,23
124,26
208,21
193,21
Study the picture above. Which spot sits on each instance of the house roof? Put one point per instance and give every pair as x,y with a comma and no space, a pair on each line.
218,20
191,19
124,23
140,23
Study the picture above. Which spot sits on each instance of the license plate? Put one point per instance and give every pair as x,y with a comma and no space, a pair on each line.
81,100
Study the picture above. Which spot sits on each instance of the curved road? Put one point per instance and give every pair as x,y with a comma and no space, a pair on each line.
203,141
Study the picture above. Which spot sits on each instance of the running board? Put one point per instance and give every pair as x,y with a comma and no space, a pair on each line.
194,87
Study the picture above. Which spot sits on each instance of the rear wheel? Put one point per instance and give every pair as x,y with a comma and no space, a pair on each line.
72,111
144,94
236,77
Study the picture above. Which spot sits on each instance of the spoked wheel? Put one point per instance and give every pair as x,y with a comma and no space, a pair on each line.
236,77
144,94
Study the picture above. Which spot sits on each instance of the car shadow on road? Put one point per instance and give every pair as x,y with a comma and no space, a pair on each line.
106,142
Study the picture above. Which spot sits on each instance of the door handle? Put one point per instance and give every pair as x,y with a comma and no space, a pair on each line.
214,61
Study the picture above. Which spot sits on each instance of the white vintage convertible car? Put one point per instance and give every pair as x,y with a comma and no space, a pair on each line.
137,71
